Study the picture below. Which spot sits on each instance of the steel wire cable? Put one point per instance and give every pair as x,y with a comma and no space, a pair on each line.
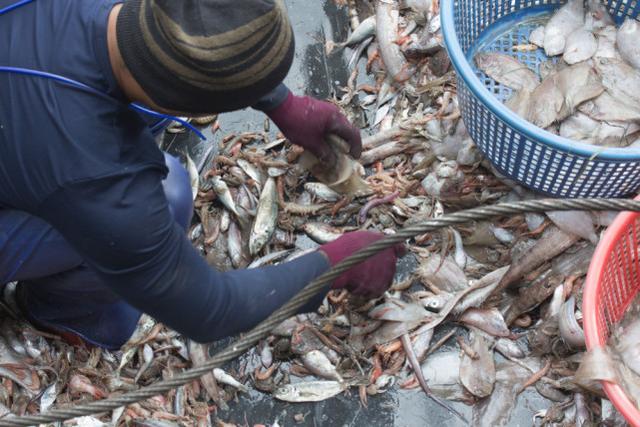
246,341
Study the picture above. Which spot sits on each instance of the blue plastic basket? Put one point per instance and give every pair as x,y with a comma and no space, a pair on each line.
521,151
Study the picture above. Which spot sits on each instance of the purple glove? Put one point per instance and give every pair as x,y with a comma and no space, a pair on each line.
306,122
371,277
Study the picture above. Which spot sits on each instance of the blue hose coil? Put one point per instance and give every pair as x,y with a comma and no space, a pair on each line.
521,151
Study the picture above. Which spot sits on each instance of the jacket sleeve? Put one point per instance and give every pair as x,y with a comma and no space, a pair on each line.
273,99
122,227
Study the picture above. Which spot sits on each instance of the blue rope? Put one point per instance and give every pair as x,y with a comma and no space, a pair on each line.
14,6
77,84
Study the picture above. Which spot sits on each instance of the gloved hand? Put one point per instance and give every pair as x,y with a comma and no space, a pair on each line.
306,122
370,278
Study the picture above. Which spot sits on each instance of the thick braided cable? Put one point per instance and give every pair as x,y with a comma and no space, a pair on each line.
249,339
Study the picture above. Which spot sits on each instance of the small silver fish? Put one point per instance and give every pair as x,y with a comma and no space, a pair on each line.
317,363
566,20
570,330
366,29
320,232
224,378
225,221
387,18
313,391
266,218
269,258
224,194
266,355
251,170
507,70
628,42
322,191
236,247
437,302
49,396
459,256
509,348
194,177
147,357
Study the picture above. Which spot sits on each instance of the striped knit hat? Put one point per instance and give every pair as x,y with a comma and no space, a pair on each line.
205,56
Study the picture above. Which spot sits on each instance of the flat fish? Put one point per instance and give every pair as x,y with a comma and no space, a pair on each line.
578,223
389,331
445,275
566,20
629,42
537,36
560,94
616,134
487,320
581,45
618,77
313,391
497,409
478,375
578,83
607,37
545,103
597,15
399,311
442,371
610,109
476,298
507,70
579,127
520,103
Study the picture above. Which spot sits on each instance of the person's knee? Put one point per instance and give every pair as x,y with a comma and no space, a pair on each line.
177,188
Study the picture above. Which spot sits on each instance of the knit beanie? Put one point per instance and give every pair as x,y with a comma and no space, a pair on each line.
205,56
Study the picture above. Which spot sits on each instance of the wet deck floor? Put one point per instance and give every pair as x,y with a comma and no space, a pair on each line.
313,73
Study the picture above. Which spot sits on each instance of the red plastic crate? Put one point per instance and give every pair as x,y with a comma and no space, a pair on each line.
613,281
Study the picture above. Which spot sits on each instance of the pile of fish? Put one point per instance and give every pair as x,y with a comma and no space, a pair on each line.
586,93
483,314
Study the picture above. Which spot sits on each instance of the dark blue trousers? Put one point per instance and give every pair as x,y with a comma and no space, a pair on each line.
57,289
